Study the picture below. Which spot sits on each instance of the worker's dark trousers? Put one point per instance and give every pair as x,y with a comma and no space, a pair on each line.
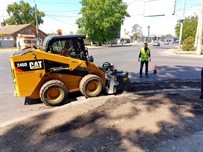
146,67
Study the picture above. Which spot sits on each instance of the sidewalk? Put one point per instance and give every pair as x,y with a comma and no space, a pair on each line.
174,52
8,49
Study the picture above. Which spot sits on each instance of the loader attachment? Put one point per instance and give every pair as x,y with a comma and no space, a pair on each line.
116,81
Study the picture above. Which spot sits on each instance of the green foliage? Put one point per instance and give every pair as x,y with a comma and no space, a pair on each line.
189,27
137,31
23,13
1,34
135,36
102,19
81,32
168,35
189,44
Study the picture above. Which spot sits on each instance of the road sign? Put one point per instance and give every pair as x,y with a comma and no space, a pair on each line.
159,7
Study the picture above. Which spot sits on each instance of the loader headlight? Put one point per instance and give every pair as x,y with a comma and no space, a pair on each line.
125,79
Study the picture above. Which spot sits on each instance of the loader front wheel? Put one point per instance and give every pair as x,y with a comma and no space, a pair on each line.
53,93
91,86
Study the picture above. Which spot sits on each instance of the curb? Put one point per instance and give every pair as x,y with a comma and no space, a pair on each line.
164,81
167,90
170,52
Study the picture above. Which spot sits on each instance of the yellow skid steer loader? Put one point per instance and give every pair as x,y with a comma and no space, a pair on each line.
63,65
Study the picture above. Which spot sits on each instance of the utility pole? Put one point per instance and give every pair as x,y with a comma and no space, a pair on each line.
197,32
148,33
199,45
124,36
181,26
37,31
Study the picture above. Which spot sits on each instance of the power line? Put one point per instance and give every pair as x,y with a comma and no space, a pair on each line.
46,2
49,15
52,11
63,11
62,21
136,15
60,15
54,3
188,8
135,1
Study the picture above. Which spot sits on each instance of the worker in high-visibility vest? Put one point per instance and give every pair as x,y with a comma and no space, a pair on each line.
145,58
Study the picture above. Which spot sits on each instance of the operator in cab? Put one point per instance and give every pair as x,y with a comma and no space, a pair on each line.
65,51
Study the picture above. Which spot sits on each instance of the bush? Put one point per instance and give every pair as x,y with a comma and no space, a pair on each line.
189,44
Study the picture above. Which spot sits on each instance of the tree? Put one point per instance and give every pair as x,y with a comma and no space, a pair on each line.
168,35
136,31
102,19
23,13
81,32
189,44
189,27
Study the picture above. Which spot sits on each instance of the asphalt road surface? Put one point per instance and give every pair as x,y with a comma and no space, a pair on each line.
123,57
169,67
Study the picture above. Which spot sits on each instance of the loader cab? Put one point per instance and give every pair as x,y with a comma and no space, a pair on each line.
66,45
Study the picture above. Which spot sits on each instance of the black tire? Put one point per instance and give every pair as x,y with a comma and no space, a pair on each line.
96,85
53,93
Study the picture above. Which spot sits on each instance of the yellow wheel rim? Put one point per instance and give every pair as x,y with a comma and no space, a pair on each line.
54,94
93,87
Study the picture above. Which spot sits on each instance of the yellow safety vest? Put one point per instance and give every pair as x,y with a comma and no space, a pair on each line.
144,55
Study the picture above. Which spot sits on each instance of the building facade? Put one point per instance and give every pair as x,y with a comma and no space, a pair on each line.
10,33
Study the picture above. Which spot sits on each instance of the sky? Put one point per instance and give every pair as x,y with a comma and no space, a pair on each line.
62,14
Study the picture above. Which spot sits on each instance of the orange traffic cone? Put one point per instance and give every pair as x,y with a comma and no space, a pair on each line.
155,69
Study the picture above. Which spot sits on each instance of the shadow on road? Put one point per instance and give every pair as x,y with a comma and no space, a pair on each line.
71,97
131,123
169,73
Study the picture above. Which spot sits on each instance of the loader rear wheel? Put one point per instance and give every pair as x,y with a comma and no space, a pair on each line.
53,93
91,85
